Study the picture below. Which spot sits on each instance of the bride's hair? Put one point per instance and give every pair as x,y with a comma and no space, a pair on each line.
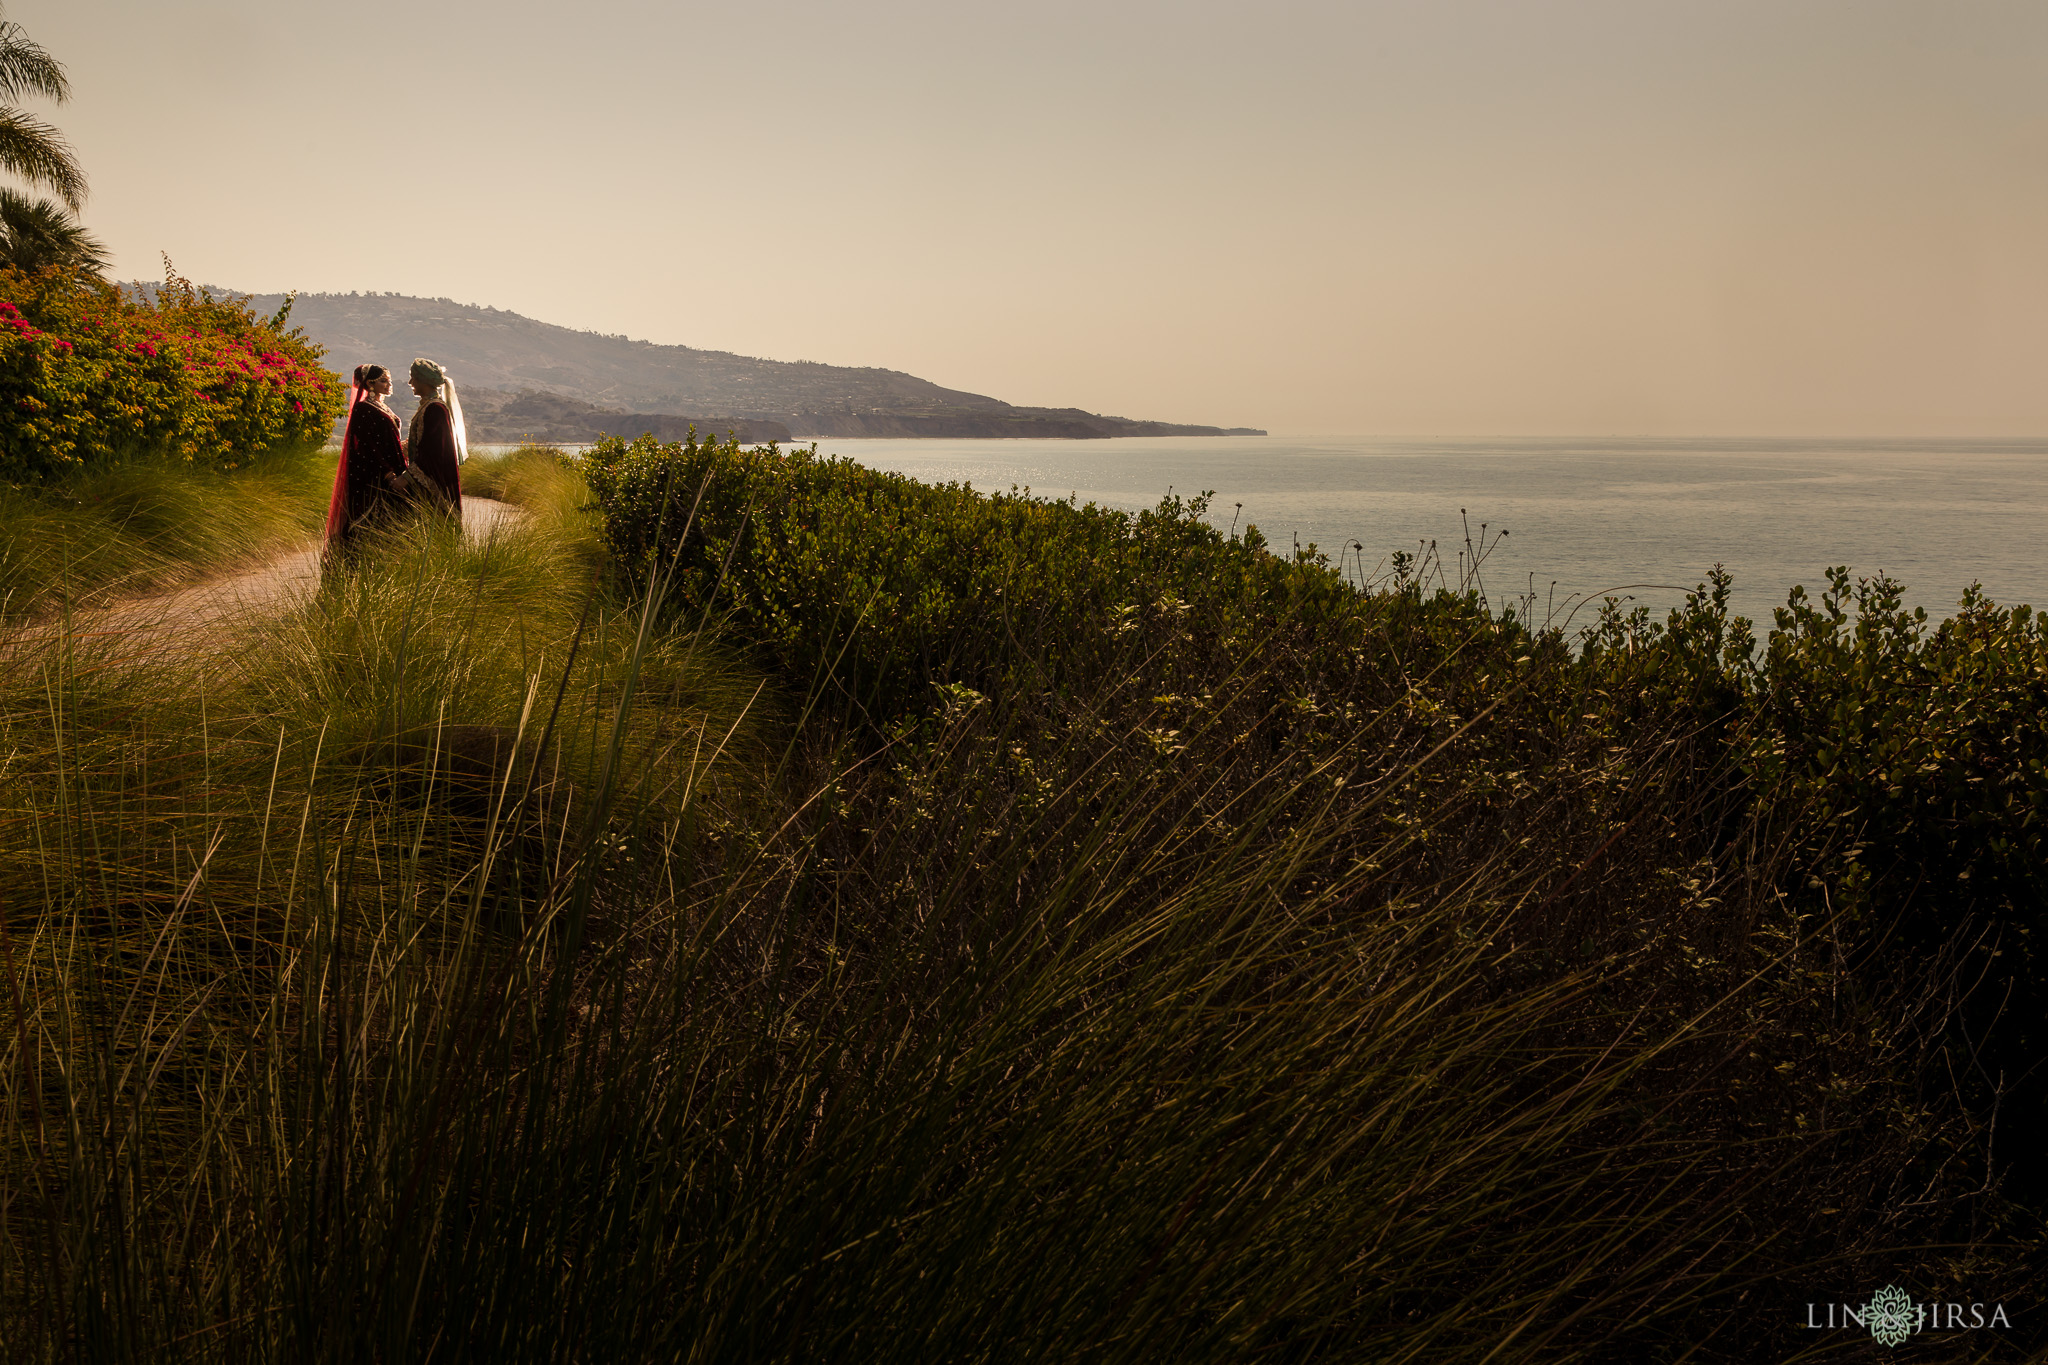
429,371
367,375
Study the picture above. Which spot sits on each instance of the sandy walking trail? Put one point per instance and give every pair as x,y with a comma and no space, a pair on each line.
193,616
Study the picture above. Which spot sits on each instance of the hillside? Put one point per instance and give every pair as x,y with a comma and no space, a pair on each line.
488,348
496,415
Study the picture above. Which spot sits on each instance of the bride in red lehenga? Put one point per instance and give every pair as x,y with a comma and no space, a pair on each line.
437,444
372,462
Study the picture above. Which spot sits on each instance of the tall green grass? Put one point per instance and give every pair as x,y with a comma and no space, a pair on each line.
494,968
148,524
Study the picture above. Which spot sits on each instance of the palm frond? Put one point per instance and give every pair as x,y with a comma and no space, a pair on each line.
38,153
37,235
26,69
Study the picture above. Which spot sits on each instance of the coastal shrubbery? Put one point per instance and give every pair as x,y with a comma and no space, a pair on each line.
90,375
1902,767
1906,766
882,584
803,942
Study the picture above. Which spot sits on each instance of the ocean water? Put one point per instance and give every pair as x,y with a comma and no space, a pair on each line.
1585,518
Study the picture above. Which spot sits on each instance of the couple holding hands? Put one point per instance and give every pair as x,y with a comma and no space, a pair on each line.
381,473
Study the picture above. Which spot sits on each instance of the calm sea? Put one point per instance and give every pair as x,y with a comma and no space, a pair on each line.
1584,517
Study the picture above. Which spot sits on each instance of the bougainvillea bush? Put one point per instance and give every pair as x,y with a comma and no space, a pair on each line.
90,373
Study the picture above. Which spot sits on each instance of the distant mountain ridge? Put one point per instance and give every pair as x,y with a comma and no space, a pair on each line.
488,348
494,415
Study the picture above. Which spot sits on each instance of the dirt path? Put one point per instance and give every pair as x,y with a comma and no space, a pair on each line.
187,616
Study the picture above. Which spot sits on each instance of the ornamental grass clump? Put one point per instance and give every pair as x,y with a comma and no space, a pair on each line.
138,525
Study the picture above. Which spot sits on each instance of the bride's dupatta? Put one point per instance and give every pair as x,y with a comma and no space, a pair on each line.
337,506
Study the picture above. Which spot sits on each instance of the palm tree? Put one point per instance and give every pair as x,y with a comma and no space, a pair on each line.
37,235
29,147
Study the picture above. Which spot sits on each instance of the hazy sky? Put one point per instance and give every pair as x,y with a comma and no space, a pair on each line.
1456,216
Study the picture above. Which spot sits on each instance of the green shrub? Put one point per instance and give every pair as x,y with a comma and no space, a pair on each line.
1920,756
1918,748
1907,765
883,585
89,375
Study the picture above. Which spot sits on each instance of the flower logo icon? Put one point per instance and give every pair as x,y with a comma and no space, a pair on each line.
1891,1315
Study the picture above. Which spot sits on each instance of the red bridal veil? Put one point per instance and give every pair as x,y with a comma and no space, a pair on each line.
337,506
